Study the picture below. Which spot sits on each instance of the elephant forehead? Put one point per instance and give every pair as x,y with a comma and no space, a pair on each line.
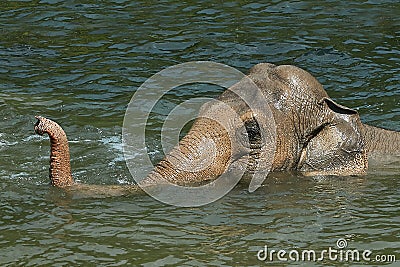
287,80
222,113
299,81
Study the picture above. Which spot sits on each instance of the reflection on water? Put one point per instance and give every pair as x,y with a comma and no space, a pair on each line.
80,63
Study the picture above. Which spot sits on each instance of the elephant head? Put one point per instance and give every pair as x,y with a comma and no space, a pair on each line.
288,123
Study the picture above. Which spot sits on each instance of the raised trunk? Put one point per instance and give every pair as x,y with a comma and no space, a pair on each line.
202,155
381,142
60,168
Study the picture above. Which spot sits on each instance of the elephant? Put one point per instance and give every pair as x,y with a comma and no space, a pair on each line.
313,135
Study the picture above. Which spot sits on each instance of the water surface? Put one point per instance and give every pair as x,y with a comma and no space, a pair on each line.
80,62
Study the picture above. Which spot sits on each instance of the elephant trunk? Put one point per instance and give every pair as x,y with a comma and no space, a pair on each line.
381,142
60,167
202,155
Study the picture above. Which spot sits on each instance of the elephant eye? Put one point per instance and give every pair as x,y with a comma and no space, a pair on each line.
253,131
250,135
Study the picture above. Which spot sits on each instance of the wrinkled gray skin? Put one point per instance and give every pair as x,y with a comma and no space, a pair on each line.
314,135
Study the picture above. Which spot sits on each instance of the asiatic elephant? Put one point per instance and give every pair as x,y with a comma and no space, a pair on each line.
314,135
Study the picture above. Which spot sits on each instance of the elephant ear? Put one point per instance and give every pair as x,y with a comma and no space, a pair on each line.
337,108
337,148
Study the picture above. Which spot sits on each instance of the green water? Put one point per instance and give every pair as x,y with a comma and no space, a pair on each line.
80,62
